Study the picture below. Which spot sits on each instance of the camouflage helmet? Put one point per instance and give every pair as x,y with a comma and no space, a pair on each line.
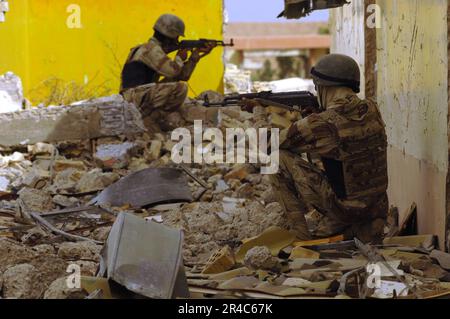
170,25
337,70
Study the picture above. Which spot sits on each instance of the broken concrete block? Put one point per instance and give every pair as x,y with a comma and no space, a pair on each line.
22,282
36,178
220,262
13,253
67,180
61,165
59,289
260,258
36,200
88,268
44,249
11,93
108,116
240,172
66,201
114,156
80,251
41,148
96,180
101,234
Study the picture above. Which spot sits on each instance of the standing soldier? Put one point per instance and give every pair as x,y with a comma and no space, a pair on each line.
349,137
154,82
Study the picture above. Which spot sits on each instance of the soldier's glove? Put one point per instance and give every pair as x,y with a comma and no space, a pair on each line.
183,54
248,105
291,137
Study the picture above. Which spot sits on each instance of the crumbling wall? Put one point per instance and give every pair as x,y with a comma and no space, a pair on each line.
412,92
411,87
108,116
347,28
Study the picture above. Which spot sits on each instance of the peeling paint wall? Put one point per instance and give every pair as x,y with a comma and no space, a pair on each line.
412,80
347,28
413,97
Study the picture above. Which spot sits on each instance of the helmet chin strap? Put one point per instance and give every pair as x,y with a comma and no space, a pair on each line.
321,96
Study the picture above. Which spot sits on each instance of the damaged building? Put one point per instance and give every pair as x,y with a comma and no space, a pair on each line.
93,205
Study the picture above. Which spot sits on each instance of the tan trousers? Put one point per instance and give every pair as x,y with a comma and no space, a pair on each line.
156,100
300,187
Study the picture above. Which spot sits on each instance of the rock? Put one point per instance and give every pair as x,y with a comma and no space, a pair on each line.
101,234
260,258
137,164
154,152
106,116
61,165
36,200
65,201
22,282
114,156
79,251
88,268
44,249
245,191
239,172
59,289
96,180
11,93
13,253
41,149
36,178
33,235
67,180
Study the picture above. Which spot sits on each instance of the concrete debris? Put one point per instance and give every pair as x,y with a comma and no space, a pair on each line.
59,289
114,156
260,258
11,93
96,180
101,234
22,282
110,116
65,201
79,251
41,149
36,200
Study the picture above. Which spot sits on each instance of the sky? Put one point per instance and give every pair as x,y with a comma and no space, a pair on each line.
264,11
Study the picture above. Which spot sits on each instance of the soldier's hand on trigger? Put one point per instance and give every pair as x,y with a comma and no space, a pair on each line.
248,105
183,54
199,53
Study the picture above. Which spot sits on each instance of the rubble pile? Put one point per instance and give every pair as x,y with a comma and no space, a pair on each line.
236,236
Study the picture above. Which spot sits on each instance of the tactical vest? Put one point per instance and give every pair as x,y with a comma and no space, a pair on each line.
358,169
136,73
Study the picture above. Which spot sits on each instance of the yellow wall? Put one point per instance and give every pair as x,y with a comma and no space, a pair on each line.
36,43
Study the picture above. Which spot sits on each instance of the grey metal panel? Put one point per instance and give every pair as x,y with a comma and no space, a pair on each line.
147,187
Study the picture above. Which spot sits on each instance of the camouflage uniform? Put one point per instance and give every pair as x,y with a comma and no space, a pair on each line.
141,84
349,137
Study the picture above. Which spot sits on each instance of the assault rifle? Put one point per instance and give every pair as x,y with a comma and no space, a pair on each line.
199,44
293,101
